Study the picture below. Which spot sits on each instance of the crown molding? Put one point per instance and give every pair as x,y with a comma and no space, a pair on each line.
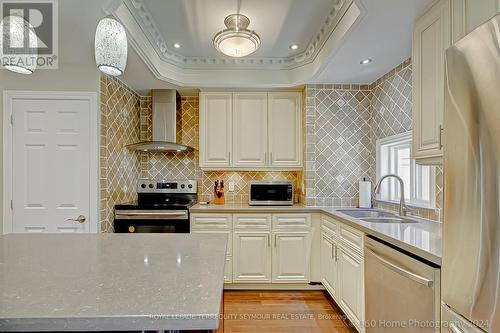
172,67
145,20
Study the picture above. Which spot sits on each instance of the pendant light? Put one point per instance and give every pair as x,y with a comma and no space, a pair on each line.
111,47
22,54
236,41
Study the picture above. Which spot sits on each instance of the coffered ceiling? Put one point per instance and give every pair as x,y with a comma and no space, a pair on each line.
318,27
333,36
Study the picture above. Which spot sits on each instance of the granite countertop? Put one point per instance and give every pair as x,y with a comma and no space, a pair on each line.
422,238
111,282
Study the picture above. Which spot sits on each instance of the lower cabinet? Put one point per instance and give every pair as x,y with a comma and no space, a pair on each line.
291,256
342,268
329,265
252,256
351,284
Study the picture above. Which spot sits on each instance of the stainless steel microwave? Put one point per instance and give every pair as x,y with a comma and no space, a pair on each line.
271,193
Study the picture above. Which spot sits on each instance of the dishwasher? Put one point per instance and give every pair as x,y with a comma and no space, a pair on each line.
402,292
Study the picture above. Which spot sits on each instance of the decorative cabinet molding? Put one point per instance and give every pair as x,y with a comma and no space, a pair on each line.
216,129
469,14
252,256
291,256
431,36
250,130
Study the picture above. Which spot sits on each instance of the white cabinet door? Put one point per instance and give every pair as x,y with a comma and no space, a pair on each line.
250,129
251,256
351,284
215,129
291,253
431,36
285,129
228,270
328,265
469,14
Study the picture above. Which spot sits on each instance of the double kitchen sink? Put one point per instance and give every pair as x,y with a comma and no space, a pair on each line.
375,216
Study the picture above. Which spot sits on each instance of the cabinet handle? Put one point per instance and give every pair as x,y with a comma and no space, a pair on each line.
268,241
229,157
336,257
275,240
333,246
441,129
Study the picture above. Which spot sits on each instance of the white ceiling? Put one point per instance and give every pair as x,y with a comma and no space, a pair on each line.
383,35
193,23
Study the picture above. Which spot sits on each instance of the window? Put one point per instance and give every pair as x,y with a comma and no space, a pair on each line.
394,156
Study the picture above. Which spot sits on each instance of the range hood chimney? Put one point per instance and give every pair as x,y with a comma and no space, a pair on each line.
166,104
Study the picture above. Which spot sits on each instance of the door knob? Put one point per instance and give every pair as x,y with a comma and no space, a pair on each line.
79,219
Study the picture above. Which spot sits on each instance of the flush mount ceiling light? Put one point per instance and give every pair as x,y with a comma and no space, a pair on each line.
17,55
111,47
366,61
237,41
294,47
177,45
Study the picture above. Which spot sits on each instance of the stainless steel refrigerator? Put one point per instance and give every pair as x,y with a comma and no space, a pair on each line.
471,251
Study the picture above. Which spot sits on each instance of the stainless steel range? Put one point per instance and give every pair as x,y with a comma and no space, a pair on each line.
162,206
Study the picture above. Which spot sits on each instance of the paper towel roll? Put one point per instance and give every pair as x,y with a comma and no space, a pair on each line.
365,194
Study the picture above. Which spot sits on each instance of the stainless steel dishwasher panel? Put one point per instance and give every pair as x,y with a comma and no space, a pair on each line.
402,294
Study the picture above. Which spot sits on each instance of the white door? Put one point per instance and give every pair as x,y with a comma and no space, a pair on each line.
53,170
251,257
285,129
250,130
328,265
291,252
215,129
351,285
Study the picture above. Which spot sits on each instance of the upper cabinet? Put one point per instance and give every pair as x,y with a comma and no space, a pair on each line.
216,112
285,135
469,14
431,37
251,130
443,24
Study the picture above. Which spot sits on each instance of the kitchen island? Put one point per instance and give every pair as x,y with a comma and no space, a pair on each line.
111,282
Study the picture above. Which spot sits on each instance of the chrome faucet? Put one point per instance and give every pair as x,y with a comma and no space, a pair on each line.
403,209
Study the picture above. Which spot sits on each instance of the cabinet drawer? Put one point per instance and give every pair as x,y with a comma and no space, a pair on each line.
252,221
329,225
351,238
211,221
229,248
291,221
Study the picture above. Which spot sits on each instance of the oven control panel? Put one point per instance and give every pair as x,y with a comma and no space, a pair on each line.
167,186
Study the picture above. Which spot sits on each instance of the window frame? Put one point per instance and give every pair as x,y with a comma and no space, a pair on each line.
389,186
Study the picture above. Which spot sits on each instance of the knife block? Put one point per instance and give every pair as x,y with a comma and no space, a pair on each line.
219,197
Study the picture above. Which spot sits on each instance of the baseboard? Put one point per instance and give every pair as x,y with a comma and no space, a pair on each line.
272,286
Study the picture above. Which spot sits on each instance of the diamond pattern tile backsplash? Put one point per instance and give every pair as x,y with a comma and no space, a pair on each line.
119,167
343,123
185,165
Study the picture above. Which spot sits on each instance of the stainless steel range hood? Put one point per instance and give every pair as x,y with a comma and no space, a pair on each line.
166,104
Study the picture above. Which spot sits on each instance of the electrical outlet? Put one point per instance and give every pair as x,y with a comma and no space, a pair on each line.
231,186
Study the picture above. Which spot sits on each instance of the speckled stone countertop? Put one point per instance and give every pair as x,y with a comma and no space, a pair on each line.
422,238
111,282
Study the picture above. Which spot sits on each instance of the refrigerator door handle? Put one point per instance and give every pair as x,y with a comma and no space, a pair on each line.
402,271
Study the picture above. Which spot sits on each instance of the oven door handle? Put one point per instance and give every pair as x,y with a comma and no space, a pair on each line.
149,215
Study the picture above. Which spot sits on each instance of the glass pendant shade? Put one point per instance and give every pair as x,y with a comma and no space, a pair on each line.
237,41
18,45
111,47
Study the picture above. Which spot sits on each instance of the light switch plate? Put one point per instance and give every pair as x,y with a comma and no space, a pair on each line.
231,186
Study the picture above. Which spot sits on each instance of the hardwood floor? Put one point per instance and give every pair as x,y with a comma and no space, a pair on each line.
282,311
